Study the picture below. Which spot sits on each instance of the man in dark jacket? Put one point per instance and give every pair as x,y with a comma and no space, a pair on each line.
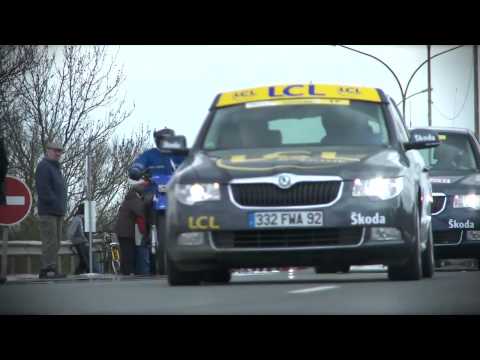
3,171
52,205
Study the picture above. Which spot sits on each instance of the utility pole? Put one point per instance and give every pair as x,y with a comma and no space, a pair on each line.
429,87
475,91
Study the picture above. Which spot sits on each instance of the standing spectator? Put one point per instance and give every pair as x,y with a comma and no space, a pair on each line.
52,204
76,235
131,212
3,171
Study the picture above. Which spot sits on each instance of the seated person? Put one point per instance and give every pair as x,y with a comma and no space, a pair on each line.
249,136
266,138
229,137
445,155
342,131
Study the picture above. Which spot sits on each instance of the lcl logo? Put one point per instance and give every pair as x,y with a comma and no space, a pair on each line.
244,93
349,91
284,181
202,223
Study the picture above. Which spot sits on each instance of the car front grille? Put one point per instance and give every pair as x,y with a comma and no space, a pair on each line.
287,238
270,195
438,204
449,237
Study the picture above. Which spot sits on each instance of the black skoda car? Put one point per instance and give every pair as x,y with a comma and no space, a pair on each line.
455,177
301,175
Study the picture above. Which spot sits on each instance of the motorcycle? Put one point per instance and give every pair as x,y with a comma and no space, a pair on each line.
159,206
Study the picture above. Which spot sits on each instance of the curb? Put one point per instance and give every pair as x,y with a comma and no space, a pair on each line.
33,278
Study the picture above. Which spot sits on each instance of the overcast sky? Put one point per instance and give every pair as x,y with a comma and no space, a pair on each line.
174,85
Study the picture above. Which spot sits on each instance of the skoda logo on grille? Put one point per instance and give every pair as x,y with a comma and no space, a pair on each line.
284,181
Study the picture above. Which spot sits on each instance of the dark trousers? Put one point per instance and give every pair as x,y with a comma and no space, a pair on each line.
83,256
142,261
51,233
153,263
84,259
127,255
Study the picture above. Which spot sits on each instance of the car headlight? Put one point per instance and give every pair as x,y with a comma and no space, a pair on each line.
380,187
191,194
467,201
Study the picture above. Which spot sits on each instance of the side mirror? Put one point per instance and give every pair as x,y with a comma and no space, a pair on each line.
176,145
422,139
174,142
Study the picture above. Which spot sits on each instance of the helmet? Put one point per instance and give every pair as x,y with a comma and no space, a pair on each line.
164,133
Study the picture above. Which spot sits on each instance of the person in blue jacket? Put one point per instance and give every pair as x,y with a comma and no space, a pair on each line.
160,160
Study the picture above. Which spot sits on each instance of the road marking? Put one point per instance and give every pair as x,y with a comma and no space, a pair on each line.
318,288
250,274
15,200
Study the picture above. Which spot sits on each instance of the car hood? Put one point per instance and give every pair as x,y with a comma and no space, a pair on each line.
455,182
347,162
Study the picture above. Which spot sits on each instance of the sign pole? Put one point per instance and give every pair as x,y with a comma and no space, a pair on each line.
4,252
89,197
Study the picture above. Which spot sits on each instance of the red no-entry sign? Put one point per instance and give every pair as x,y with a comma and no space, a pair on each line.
19,201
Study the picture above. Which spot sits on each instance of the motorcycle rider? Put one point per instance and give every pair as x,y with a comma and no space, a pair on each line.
160,160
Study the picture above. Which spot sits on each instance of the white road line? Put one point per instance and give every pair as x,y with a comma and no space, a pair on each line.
15,200
251,274
318,288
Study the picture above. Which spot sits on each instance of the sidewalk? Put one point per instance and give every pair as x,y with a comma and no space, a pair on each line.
33,278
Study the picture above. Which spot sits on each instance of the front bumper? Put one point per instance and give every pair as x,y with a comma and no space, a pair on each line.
455,244
190,259
221,219
450,227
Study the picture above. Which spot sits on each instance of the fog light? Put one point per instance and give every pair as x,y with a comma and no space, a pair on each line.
385,234
473,235
191,239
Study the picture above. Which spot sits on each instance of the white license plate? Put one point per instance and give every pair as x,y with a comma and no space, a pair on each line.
282,219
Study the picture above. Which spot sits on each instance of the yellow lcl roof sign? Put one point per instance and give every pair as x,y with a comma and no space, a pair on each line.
284,92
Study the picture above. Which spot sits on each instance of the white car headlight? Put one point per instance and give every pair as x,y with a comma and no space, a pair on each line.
467,201
380,187
191,194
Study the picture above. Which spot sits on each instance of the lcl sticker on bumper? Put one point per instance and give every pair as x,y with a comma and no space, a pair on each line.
285,219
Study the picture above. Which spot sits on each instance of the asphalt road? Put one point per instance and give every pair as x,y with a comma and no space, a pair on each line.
300,292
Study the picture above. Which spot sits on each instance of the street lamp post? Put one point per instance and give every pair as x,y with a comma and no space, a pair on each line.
410,96
429,79
428,60
404,92
476,91
414,94
384,64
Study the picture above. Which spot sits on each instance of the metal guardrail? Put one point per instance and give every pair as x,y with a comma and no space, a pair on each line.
24,256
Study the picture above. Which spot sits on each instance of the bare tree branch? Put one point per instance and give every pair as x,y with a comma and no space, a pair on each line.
63,98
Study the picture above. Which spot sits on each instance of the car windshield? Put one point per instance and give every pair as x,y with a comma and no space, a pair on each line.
275,124
454,153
